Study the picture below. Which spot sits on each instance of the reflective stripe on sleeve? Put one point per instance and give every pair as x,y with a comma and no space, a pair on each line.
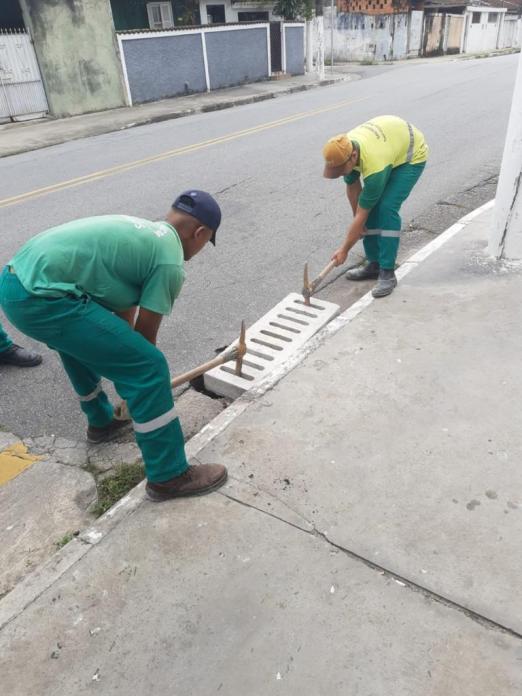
93,394
409,156
156,423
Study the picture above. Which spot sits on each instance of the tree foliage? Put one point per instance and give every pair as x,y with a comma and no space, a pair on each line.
294,9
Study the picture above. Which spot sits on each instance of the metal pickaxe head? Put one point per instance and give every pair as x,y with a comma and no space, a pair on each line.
307,288
241,349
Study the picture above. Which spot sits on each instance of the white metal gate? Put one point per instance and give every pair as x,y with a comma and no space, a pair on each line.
22,95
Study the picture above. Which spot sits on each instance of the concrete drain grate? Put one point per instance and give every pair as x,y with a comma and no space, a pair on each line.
270,341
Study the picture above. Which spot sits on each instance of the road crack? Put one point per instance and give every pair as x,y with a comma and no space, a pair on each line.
232,186
453,205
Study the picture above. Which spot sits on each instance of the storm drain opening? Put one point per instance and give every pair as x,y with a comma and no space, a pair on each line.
271,341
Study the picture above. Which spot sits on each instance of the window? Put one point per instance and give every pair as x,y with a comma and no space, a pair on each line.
216,14
160,15
475,18
252,17
492,17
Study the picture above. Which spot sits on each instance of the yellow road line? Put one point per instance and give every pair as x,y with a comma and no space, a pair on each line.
111,171
13,460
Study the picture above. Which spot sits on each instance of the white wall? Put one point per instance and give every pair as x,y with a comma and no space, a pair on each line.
415,29
483,35
359,36
510,32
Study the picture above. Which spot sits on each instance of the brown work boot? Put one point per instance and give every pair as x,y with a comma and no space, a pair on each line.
107,432
196,480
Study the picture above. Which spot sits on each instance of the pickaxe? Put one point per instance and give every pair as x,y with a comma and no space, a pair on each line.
310,287
236,352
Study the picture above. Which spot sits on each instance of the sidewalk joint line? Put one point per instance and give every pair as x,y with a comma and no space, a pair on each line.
228,495
482,620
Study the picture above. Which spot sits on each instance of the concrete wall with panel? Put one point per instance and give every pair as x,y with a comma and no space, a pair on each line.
77,52
416,21
294,49
158,65
237,56
432,44
453,33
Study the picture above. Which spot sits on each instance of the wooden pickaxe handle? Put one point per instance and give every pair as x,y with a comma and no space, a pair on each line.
235,352
310,287
227,356
240,349
322,275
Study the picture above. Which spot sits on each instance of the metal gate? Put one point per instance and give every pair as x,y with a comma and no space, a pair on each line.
22,95
275,47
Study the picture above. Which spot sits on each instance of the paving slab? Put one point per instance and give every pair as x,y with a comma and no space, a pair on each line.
399,438
212,597
37,508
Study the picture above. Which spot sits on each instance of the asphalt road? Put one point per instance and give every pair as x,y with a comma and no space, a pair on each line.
263,163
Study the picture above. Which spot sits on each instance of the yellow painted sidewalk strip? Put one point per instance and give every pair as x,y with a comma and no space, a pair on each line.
111,171
13,460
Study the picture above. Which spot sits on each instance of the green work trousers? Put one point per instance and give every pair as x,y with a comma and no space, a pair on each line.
5,341
383,227
93,343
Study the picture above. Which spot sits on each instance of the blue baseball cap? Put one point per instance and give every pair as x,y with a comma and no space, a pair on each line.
202,206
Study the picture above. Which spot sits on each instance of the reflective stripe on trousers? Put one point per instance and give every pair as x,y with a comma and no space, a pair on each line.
156,423
93,394
381,233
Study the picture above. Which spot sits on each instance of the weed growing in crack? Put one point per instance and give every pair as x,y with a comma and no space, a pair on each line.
114,487
64,540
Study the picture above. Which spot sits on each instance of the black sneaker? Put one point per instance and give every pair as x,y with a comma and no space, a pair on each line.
368,271
21,357
387,282
108,432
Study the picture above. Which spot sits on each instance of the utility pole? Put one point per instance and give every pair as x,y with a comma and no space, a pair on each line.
319,39
309,45
506,238
331,33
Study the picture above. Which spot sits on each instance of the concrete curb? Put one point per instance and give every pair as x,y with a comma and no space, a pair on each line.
29,589
175,114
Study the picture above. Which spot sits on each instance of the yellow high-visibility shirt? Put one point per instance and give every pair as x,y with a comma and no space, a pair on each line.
384,142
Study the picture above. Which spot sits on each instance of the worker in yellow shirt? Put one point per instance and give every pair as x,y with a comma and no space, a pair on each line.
389,154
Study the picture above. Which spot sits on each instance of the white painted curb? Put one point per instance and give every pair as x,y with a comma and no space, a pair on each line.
27,591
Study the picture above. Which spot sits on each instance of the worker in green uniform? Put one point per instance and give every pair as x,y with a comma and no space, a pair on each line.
76,288
389,154
12,354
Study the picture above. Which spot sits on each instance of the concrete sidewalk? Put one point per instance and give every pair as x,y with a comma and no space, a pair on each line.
33,135
368,542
